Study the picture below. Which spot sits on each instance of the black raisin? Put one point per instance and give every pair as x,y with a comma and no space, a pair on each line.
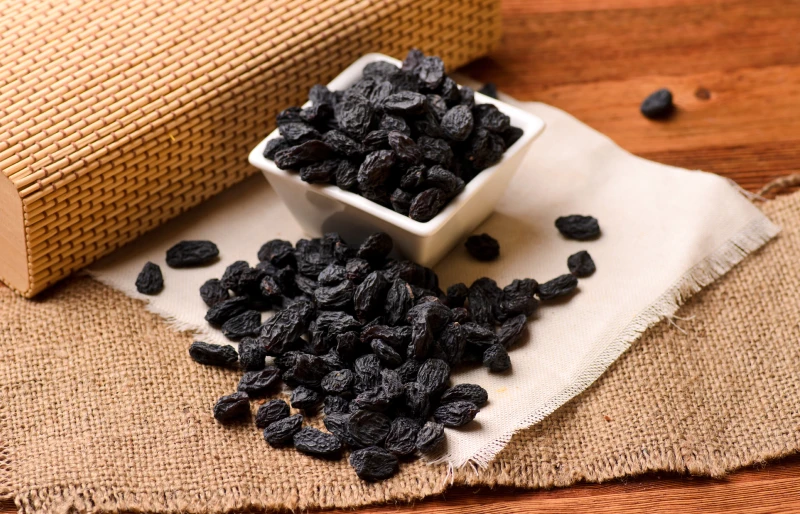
404,103
281,432
270,412
308,370
496,358
252,354
342,144
455,414
298,132
303,154
412,60
457,123
323,172
289,115
245,324
278,252
460,315
392,122
426,205
485,149
433,376
337,297
404,148
213,354
402,438
581,264
212,292
226,309
381,70
511,135
408,371
560,286
437,176
150,281
467,96
430,72
274,146
338,382
373,463
357,270
436,106
512,330
346,176
332,275
188,254
483,247
304,398
465,392
478,335
370,295
658,105
392,384
401,201
376,140
368,372
435,150
374,399
578,227
376,248
319,94
368,428
518,297
354,114
232,407
489,117
399,300
430,436
281,331
386,353
457,295
417,401
258,383
335,404
451,344
375,170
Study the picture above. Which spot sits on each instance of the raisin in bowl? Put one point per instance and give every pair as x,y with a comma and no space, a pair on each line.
324,207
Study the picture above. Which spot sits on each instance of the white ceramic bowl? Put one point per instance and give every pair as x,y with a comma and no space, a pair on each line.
327,208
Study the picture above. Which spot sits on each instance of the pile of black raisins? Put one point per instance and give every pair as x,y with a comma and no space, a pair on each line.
368,339
407,138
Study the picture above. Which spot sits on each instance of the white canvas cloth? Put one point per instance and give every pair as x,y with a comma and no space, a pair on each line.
666,233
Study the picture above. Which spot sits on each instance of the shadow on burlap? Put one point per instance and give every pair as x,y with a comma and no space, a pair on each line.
102,409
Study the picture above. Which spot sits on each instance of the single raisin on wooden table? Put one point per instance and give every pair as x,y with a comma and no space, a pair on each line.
405,137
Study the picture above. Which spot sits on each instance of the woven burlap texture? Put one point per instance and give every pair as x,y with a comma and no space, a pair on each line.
117,115
101,408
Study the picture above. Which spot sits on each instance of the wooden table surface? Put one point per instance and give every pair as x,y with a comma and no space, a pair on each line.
734,69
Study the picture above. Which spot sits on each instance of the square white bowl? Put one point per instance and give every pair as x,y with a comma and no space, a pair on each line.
322,208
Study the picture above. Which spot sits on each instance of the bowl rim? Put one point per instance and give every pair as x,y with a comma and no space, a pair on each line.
532,127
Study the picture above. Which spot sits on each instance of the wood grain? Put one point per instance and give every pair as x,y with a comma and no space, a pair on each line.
734,68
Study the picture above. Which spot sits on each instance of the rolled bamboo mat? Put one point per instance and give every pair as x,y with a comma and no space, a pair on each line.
118,115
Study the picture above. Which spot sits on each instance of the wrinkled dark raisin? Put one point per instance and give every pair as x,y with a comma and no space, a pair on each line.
226,309
417,401
457,123
270,412
245,324
392,122
450,345
281,432
346,176
512,330
401,201
281,331
496,358
368,372
354,114
375,248
274,146
338,382
457,295
386,353
658,105
404,103
258,383
518,297
511,135
252,354
304,398
438,177
336,297
343,144
430,436
374,399
150,281
436,105
188,254
489,117
408,371
391,384
232,407
484,300
335,404
467,393
332,275
212,292
478,335
560,286
323,172
430,72
483,247
308,370
467,96
426,205
581,264
460,315
489,89
578,227
433,376
402,438
368,428
404,148
303,154
373,463
298,132
435,150
213,354
370,295
319,94
278,252
375,170
399,300
455,414
289,115
485,149
412,60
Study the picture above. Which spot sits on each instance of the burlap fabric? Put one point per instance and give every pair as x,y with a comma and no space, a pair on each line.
101,408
